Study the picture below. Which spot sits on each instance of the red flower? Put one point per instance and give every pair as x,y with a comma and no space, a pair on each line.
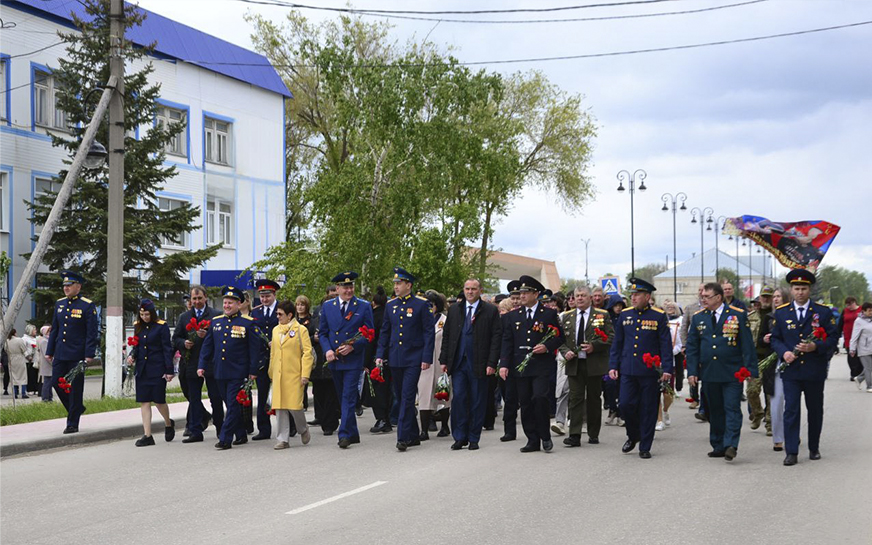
742,374
367,333
189,327
376,375
819,333
650,361
555,329
442,396
601,334
132,341
689,399
204,324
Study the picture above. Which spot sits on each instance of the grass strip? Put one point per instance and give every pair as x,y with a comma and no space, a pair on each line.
37,411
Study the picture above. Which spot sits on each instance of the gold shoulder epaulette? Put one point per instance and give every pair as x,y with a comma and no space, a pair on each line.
782,306
660,310
698,311
85,299
161,322
222,316
737,309
600,311
61,299
627,309
247,317
422,298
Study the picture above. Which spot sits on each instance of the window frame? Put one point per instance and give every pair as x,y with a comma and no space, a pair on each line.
184,136
218,220
186,237
51,116
37,177
6,82
5,200
211,139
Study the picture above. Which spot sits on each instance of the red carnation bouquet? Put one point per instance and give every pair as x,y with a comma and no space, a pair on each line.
817,334
549,334
367,333
443,388
193,327
65,383
130,365
243,396
601,334
742,374
653,362
374,375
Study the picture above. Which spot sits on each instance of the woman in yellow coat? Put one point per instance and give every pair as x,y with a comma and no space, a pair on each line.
290,364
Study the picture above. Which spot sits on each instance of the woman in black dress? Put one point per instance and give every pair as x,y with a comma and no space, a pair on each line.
326,403
153,356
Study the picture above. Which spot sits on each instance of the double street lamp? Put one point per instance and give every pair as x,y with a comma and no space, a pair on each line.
631,182
720,224
705,217
674,199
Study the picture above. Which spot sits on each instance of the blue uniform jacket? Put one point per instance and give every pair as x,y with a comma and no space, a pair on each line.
73,329
640,332
717,355
266,325
408,332
154,353
787,333
519,338
234,346
334,329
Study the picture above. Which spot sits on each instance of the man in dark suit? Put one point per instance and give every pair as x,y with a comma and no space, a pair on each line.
524,330
198,417
719,344
588,334
807,357
471,342
265,317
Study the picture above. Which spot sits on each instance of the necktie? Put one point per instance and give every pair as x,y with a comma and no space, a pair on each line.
199,313
529,314
266,312
714,319
467,325
581,325
801,313
344,306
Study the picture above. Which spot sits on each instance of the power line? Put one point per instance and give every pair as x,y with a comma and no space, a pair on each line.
455,12
535,21
36,50
557,58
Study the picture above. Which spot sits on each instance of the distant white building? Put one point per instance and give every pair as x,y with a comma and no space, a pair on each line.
753,273
230,158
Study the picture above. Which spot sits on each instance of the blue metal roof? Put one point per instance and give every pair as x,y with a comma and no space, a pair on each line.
175,40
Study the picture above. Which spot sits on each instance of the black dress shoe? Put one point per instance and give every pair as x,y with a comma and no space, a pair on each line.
328,432
359,411
401,446
187,433
508,437
790,460
459,445
414,442
71,429
489,428
814,455
628,446
593,440
240,441
432,426
260,437
547,445
193,439
170,431
473,446
424,436
730,454
776,448
716,454
223,446
645,455
344,442
530,447
145,441
206,421
701,417
572,441
355,440
317,422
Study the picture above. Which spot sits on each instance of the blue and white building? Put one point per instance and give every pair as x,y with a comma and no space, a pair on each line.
230,158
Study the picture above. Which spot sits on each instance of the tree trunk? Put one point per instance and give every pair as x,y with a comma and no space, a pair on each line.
485,239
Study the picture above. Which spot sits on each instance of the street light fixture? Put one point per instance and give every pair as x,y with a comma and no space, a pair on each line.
631,182
720,224
705,216
586,278
96,156
674,199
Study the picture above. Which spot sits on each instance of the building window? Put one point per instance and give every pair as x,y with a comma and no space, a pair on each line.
181,240
4,71
45,102
217,137
166,115
219,223
45,186
4,202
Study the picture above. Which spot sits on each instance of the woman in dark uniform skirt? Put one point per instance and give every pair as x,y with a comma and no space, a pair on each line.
153,356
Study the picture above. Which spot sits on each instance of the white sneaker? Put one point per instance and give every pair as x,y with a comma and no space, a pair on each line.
659,426
869,390
859,383
621,422
666,420
559,428
611,419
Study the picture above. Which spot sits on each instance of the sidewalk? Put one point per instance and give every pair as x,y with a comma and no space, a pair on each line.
47,434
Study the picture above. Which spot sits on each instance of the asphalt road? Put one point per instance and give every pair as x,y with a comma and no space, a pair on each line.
175,493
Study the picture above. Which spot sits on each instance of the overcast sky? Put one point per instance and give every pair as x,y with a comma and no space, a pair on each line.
778,128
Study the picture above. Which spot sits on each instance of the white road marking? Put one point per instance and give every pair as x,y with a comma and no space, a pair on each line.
334,498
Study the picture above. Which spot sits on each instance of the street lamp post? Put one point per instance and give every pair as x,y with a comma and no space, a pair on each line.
631,182
707,211
720,224
674,199
586,278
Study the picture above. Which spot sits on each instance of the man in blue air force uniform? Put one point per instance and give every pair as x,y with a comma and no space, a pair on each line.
73,338
341,318
807,362
406,341
234,346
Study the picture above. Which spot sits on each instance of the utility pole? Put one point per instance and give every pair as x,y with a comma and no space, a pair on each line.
586,278
115,233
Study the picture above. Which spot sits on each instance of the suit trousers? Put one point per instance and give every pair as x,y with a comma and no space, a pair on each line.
468,401
405,390
72,401
183,384
347,393
562,393
509,388
725,413
534,397
326,403
584,397
264,426
814,404
776,407
198,411
233,425
287,420
490,406
640,396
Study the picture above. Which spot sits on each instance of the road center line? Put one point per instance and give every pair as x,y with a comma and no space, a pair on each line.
334,498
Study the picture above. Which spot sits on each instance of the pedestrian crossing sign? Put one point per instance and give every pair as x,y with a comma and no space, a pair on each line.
610,284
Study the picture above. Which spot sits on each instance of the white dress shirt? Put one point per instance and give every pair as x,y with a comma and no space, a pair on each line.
581,319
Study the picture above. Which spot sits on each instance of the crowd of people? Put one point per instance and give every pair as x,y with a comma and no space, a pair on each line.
425,363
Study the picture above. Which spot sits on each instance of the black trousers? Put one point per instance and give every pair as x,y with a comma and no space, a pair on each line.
855,365
490,404
326,403
534,395
5,377
509,389
183,383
